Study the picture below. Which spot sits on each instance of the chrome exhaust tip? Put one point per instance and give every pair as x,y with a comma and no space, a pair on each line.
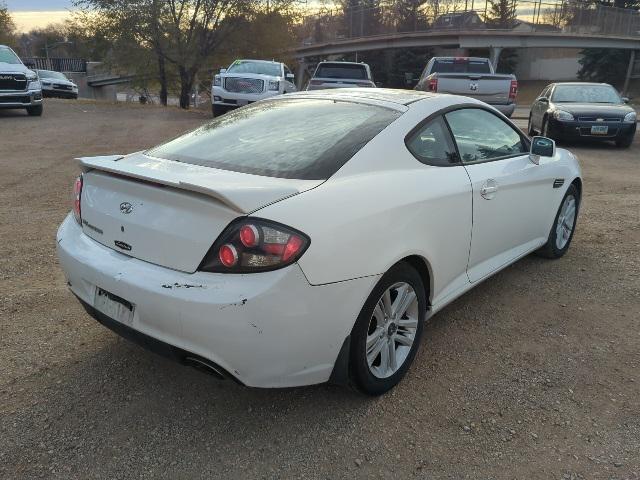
204,366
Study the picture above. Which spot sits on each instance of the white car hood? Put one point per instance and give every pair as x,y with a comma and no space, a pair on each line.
13,68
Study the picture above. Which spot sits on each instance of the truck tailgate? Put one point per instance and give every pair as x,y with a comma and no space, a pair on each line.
490,88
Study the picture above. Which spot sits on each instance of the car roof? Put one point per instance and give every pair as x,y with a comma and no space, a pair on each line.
578,84
256,61
370,95
342,63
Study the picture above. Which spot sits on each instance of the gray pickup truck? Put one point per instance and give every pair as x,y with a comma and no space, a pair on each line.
19,86
472,77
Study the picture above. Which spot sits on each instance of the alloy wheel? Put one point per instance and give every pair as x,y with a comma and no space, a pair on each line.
392,330
566,221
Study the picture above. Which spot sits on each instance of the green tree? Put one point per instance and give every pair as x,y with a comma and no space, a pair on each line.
607,65
7,27
181,33
501,13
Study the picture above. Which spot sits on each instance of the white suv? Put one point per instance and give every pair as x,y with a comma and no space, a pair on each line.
247,81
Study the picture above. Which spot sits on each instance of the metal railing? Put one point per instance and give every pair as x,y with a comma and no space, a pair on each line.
566,16
57,64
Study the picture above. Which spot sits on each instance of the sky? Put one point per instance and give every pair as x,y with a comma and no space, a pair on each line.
29,14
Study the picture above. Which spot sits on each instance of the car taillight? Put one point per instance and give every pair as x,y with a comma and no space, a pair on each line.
254,245
513,90
433,85
77,194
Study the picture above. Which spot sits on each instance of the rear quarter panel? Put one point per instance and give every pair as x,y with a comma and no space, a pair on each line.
382,206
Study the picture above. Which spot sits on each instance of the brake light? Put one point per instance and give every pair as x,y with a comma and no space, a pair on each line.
254,245
433,85
513,90
77,195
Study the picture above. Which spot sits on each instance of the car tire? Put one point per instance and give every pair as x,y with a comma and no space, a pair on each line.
35,111
624,142
385,341
564,225
530,131
544,130
218,110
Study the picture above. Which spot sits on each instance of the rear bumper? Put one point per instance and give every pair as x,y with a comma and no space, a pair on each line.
20,99
581,130
270,329
507,110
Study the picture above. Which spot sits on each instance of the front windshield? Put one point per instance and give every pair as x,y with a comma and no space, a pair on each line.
52,75
585,94
262,68
308,139
7,56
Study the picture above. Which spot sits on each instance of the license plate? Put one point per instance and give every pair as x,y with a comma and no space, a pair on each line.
599,130
113,306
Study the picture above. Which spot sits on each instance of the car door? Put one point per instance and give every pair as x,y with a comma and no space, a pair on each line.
539,107
509,209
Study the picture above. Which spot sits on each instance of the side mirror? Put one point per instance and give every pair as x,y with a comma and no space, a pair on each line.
222,70
541,147
625,99
289,76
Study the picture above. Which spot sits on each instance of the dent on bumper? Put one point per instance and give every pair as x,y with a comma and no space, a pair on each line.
268,329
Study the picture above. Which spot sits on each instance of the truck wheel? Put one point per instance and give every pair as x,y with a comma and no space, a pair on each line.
624,142
35,111
218,110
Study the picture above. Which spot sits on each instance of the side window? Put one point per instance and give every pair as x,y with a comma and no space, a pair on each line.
545,92
481,135
286,70
432,144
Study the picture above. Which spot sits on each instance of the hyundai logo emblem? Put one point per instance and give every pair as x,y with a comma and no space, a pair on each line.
126,208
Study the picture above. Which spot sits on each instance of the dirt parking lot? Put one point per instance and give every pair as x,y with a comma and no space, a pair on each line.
535,374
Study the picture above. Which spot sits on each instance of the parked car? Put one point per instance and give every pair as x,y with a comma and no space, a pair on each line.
341,75
19,86
473,77
247,81
278,245
573,111
56,84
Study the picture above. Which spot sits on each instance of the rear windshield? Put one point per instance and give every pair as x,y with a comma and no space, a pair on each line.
585,94
460,65
261,68
290,138
336,70
7,56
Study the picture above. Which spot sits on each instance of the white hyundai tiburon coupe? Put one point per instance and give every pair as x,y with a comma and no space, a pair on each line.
306,238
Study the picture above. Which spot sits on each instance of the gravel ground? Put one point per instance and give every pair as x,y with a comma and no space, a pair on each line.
534,374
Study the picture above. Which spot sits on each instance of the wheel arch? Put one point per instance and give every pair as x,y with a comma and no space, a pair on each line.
422,266
577,182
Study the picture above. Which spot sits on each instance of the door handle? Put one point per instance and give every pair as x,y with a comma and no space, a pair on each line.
489,189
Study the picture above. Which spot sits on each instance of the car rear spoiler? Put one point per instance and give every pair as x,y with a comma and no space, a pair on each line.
241,192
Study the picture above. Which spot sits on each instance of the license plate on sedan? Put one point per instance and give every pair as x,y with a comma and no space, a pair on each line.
114,307
599,130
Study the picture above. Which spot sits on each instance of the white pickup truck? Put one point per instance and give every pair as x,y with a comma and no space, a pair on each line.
19,86
473,77
247,81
